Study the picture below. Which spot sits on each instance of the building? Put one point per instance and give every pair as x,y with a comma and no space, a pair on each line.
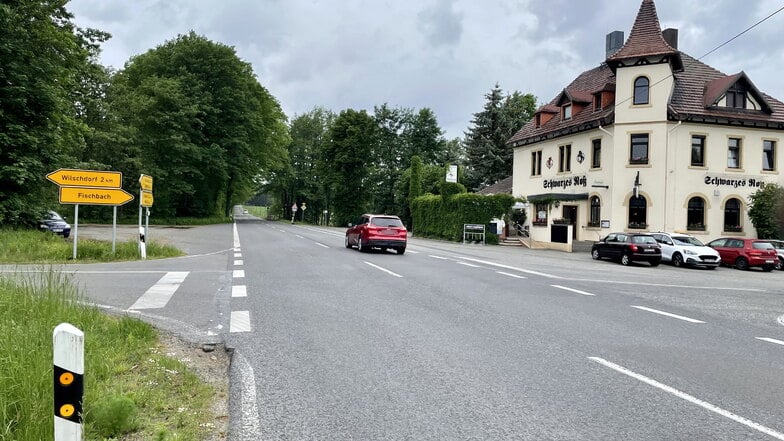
650,140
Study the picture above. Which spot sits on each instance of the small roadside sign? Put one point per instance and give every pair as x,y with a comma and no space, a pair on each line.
67,177
146,199
146,182
94,196
294,207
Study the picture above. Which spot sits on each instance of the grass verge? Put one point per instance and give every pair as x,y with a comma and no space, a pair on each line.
260,212
133,391
30,246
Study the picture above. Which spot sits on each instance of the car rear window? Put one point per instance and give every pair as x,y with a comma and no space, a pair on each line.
643,239
761,245
386,222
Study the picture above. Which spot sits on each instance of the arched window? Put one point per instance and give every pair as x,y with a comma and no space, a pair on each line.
695,216
596,212
641,90
638,212
732,215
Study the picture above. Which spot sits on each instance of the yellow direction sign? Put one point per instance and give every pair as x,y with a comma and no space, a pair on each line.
146,199
146,183
67,177
94,196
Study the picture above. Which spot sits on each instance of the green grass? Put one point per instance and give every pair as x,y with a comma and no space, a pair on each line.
257,211
126,371
30,246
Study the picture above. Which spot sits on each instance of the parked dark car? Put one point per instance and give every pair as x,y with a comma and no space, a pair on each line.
55,223
744,253
628,248
377,231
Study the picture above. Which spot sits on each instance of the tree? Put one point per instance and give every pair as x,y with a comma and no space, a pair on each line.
44,58
766,210
344,162
489,158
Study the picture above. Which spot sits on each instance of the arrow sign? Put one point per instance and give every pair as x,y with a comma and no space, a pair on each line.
146,183
146,199
94,196
86,178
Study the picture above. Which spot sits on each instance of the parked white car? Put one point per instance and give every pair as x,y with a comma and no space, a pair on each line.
779,246
686,250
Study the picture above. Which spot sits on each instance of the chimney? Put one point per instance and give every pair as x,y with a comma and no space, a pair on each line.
670,35
613,43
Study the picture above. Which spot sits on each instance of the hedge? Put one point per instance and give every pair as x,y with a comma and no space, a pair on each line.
443,217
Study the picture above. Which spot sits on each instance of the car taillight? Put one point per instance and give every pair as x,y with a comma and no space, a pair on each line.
634,248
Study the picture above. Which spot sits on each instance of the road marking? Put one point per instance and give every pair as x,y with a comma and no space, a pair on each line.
771,340
384,269
413,252
238,274
679,317
236,237
321,245
249,408
439,257
468,264
573,290
239,291
689,398
236,255
301,237
498,265
240,321
238,263
159,294
780,320
511,275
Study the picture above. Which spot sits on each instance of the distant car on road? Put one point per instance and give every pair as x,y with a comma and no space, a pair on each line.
628,248
55,223
686,250
779,246
377,231
744,253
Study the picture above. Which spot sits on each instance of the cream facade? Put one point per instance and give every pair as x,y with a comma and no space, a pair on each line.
652,156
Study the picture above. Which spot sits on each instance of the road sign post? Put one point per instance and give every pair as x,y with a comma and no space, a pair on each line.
303,211
145,202
293,211
68,360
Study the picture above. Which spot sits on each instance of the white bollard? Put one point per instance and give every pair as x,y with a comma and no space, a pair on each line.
68,350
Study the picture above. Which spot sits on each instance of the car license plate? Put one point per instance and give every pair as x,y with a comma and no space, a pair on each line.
388,232
649,250
768,261
57,230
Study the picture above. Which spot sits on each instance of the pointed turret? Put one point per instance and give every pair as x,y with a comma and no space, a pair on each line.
646,41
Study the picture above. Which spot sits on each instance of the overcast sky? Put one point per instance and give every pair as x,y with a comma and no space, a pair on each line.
441,54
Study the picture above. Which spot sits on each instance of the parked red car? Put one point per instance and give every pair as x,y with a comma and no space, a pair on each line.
377,231
744,253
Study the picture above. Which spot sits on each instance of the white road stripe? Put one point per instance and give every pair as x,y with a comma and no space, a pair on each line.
412,252
239,291
249,408
439,257
771,340
498,265
511,275
238,274
468,264
240,321
691,399
237,255
159,294
236,237
679,317
301,237
321,245
383,269
238,263
573,290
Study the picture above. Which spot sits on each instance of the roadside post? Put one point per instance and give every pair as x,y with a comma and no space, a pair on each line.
293,211
145,202
303,211
68,360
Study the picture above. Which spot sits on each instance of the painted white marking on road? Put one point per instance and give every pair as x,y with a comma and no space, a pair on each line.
468,264
321,245
780,320
384,269
439,257
573,290
159,294
771,340
239,291
682,395
237,255
249,408
511,275
301,237
412,252
240,321
498,265
238,274
236,237
238,263
679,317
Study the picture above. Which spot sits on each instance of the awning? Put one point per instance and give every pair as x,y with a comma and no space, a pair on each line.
558,197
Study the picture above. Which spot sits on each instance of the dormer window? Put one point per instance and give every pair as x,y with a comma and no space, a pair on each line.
641,90
538,120
736,97
567,112
597,102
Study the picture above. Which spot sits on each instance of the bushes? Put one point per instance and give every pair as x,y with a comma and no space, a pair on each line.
444,216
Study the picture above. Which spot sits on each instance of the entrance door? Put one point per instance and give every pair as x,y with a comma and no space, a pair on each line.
570,212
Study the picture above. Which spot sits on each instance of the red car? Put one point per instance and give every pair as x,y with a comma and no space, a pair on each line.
377,231
744,253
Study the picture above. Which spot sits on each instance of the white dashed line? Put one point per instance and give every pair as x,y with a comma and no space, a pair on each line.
159,294
675,316
301,237
689,398
384,269
771,340
439,257
577,291
238,263
238,274
236,238
511,275
239,291
468,264
321,245
236,255
240,321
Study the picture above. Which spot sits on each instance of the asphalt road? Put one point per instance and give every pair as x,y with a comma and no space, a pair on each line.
462,342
